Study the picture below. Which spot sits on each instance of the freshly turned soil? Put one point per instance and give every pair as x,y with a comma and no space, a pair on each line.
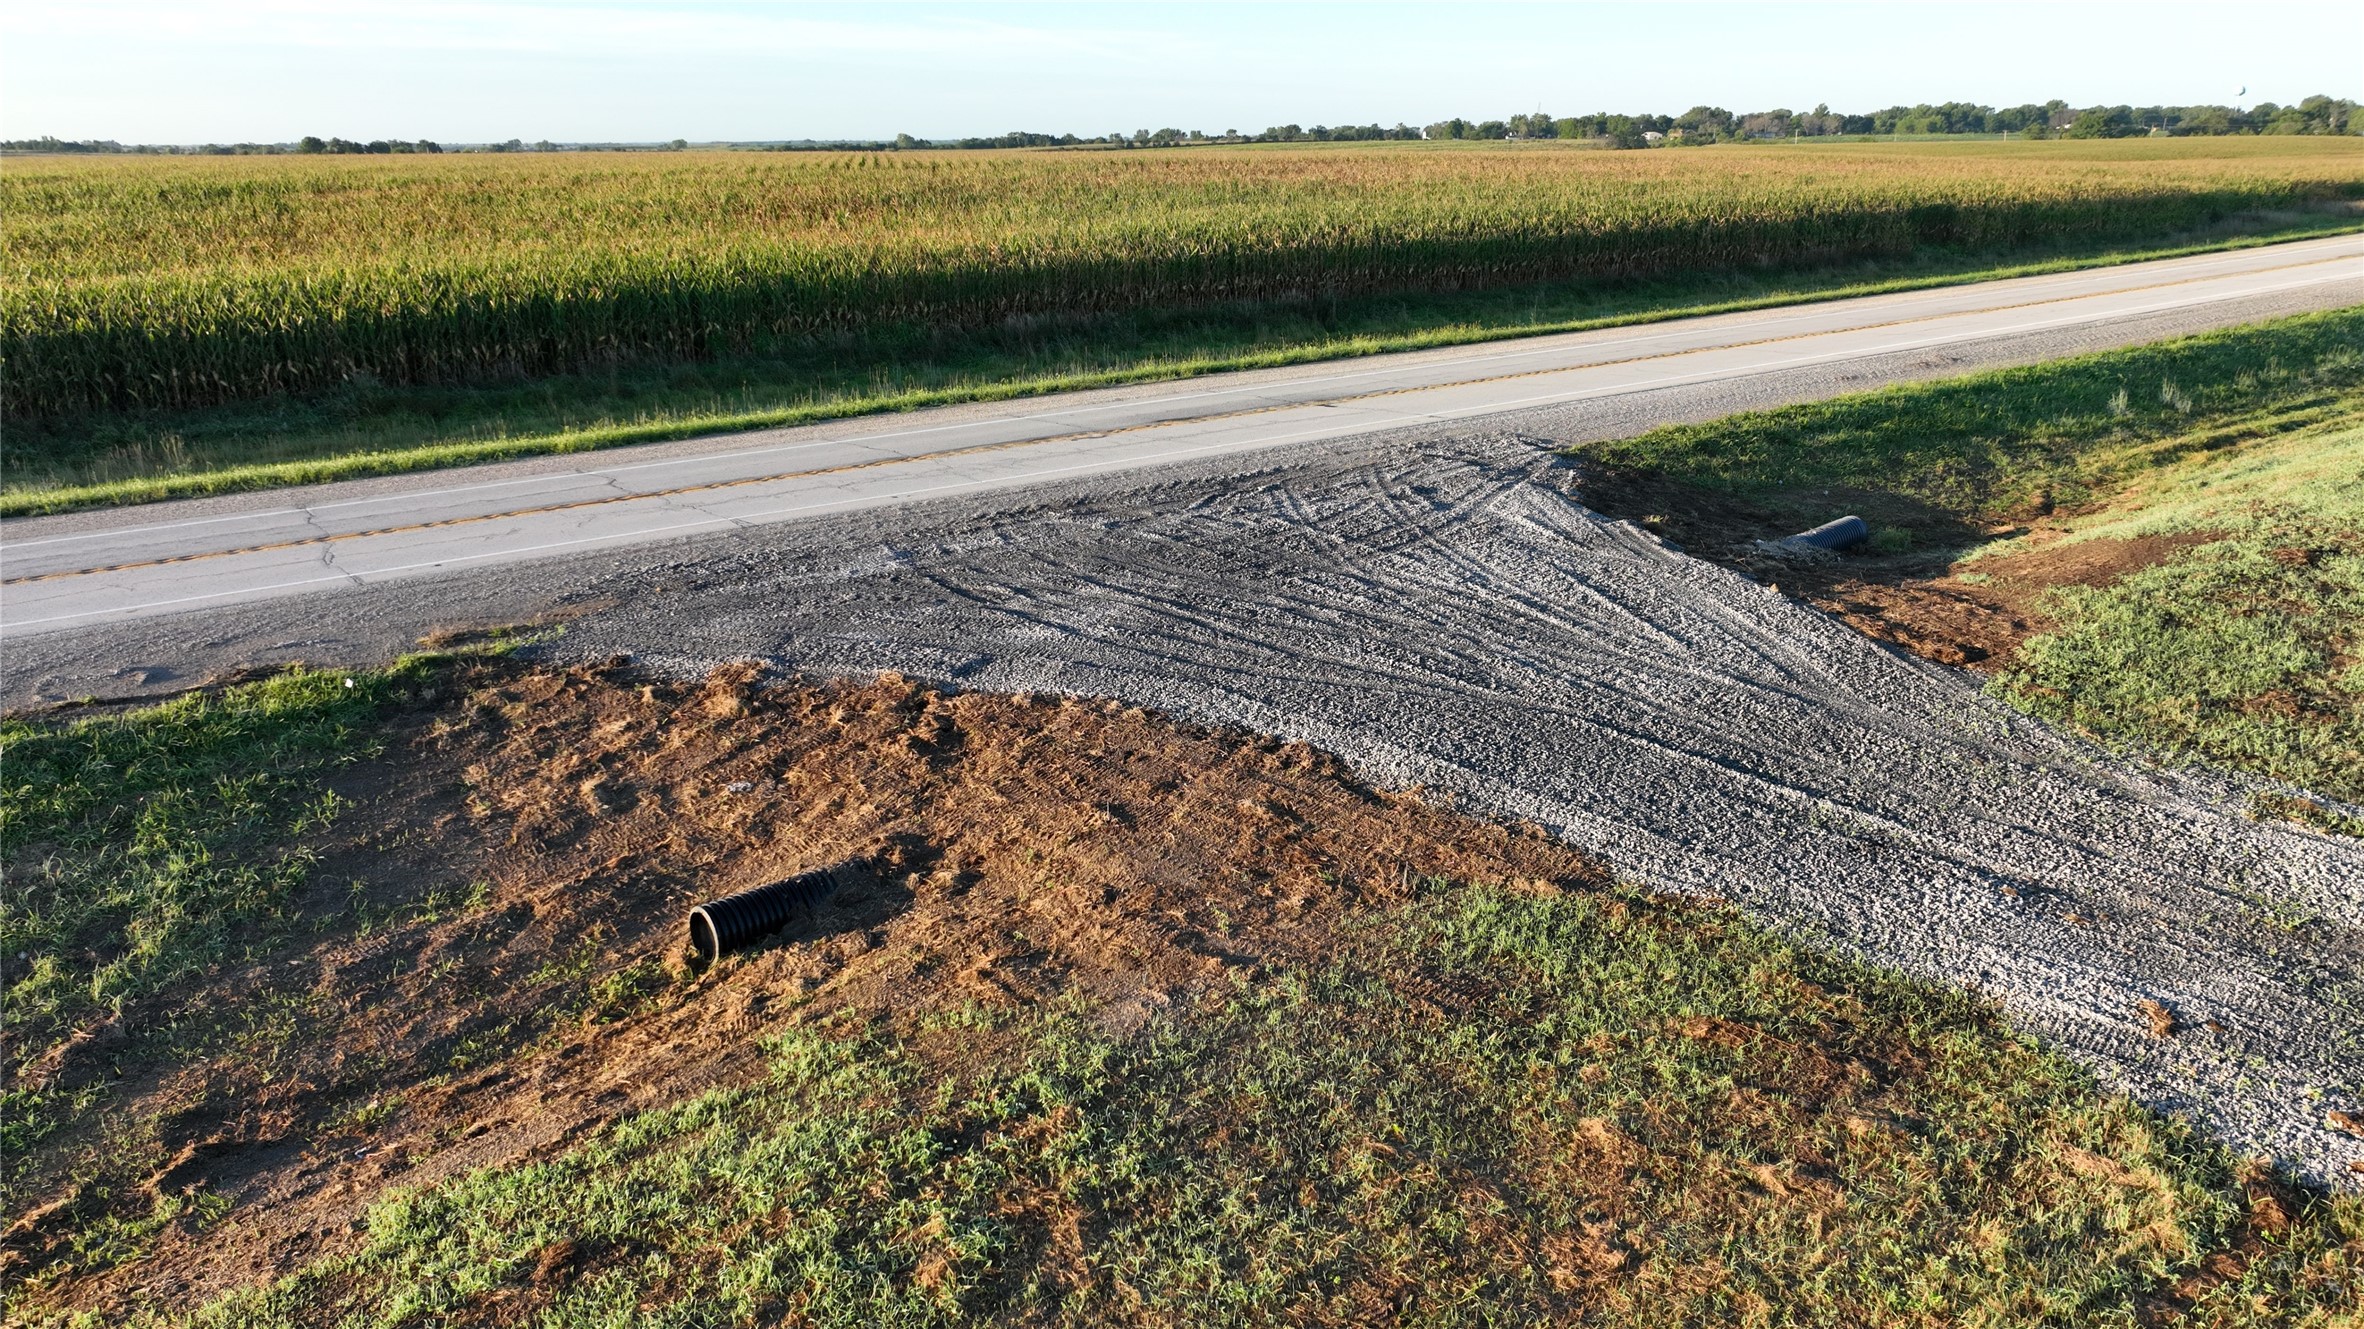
1024,849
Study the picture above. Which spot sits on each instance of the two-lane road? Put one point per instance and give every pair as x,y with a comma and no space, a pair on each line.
76,571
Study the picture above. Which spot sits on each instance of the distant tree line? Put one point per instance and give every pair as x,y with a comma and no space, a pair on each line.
94,145
2053,119
309,145
306,145
2315,115
1714,124
1700,124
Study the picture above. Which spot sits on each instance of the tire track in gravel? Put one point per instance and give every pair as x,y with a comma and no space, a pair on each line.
1448,615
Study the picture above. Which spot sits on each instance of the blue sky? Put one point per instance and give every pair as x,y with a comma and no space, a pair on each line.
183,71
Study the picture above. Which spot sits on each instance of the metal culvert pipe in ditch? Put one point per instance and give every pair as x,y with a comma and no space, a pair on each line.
733,922
1844,533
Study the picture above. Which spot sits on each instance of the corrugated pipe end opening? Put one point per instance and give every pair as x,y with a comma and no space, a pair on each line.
705,942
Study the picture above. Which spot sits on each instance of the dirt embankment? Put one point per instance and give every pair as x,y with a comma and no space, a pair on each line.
527,860
1921,600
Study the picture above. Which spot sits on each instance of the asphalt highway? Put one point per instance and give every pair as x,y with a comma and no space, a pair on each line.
66,573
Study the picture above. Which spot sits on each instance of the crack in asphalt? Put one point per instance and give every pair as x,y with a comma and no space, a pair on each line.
328,554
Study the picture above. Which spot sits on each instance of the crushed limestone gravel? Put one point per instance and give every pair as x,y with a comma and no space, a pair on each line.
1448,615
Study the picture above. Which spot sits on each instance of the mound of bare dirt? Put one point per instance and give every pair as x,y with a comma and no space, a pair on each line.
563,823
1971,615
1975,614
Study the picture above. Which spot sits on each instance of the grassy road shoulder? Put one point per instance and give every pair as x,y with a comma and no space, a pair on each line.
2162,547
1136,1021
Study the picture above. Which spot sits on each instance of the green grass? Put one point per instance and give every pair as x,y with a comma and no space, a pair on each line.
367,428
1991,445
2242,650
137,851
1619,1114
142,848
151,852
2246,650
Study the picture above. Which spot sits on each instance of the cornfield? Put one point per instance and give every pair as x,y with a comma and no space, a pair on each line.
179,282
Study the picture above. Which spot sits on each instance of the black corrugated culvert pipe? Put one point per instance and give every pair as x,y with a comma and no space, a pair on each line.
1844,533
719,927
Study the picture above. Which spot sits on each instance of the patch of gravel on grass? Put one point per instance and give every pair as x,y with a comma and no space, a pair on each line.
1445,613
